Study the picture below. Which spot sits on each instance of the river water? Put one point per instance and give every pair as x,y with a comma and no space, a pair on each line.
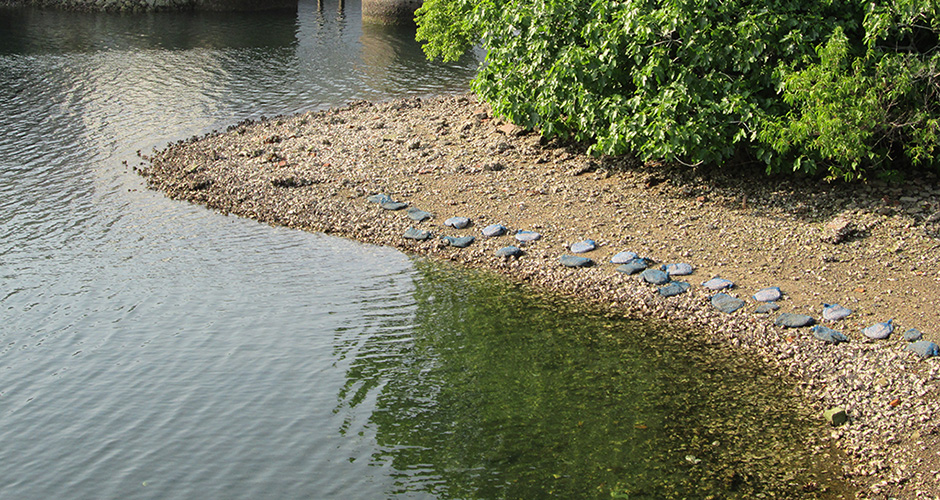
154,349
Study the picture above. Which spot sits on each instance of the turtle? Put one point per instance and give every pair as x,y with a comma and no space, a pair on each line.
575,261
717,283
769,294
879,330
828,335
583,246
457,222
834,312
623,257
494,230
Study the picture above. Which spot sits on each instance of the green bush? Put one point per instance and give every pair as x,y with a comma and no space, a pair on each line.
840,86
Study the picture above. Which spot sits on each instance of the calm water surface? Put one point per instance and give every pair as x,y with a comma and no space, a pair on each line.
152,349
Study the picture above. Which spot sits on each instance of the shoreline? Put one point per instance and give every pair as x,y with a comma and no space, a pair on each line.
872,248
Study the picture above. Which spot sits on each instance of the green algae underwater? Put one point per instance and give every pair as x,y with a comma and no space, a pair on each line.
502,392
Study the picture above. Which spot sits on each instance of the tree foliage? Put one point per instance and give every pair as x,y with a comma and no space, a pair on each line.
839,86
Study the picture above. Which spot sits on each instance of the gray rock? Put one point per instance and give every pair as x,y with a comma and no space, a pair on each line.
494,230
394,205
510,251
913,335
654,277
828,335
575,261
717,283
794,320
417,234
835,312
623,257
459,242
583,246
726,303
769,294
766,308
681,269
527,235
879,331
674,288
633,267
418,215
923,348
457,222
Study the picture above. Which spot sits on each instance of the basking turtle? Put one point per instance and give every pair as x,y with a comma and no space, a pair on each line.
828,335
879,331
768,294
680,269
457,222
494,230
623,257
583,246
527,235
834,312
575,261
717,283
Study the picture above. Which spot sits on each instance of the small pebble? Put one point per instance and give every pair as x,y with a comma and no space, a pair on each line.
769,294
767,308
924,348
457,222
794,320
835,312
828,335
459,242
879,331
623,257
527,235
575,261
681,269
726,303
494,230
836,416
510,251
654,277
674,288
633,267
583,246
717,283
417,234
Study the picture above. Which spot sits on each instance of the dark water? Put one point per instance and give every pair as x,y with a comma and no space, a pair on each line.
152,349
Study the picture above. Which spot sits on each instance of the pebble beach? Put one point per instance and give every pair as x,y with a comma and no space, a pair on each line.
447,173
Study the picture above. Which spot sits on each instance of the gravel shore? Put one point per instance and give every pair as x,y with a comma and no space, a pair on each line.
874,248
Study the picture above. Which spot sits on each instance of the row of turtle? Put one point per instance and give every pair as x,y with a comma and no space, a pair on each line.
631,263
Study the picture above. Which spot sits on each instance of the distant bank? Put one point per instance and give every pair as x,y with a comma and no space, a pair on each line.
153,5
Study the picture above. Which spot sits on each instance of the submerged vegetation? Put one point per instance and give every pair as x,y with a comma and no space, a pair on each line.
844,88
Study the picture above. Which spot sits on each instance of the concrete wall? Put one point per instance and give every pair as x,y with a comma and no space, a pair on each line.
390,11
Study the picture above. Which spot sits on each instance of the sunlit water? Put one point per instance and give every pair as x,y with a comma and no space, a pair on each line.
153,349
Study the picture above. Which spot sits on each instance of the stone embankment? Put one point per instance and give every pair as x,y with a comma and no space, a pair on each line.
152,5
787,245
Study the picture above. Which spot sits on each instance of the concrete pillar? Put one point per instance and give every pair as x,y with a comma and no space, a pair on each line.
390,11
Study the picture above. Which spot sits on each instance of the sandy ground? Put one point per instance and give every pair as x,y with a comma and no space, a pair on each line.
872,247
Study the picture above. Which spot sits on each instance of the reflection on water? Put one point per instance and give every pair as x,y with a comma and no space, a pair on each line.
152,349
496,394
